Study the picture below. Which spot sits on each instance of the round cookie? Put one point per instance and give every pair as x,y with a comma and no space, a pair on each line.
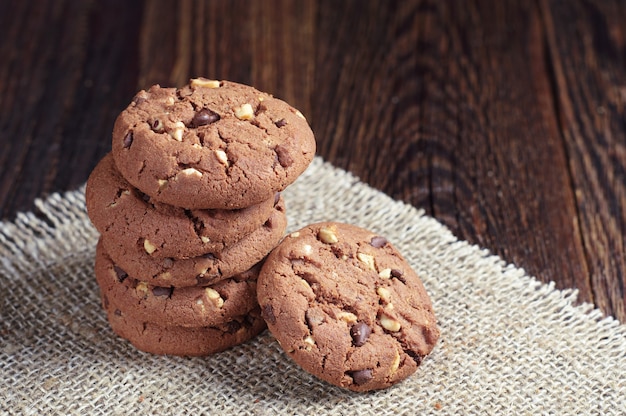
176,340
120,211
211,144
167,306
202,270
346,306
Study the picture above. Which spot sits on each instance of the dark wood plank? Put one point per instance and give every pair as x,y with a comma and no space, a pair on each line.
452,113
283,50
64,84
185,39
266,45
588,56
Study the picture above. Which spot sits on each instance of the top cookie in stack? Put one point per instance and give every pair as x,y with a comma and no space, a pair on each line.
211,145
189,199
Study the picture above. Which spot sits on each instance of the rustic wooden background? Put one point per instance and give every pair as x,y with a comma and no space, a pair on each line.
505,120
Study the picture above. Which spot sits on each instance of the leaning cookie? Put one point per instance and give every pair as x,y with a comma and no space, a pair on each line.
168,306
211,144
176,340
120,211
202,270
346,306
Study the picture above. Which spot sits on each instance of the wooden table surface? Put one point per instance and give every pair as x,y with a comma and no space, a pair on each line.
505,120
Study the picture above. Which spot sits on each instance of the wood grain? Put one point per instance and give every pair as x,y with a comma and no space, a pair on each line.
468,130
61,87
504,120
589,61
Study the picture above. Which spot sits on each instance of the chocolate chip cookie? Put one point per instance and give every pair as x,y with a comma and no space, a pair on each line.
346,306
120,211
168,306
184,341
202,270
211,144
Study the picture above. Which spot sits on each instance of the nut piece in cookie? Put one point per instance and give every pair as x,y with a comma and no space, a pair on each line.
346,306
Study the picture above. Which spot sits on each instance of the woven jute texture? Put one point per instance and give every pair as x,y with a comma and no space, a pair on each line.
509,344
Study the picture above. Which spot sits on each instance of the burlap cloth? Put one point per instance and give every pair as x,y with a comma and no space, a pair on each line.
509,345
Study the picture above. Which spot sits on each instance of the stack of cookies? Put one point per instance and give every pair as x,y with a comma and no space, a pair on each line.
188,206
